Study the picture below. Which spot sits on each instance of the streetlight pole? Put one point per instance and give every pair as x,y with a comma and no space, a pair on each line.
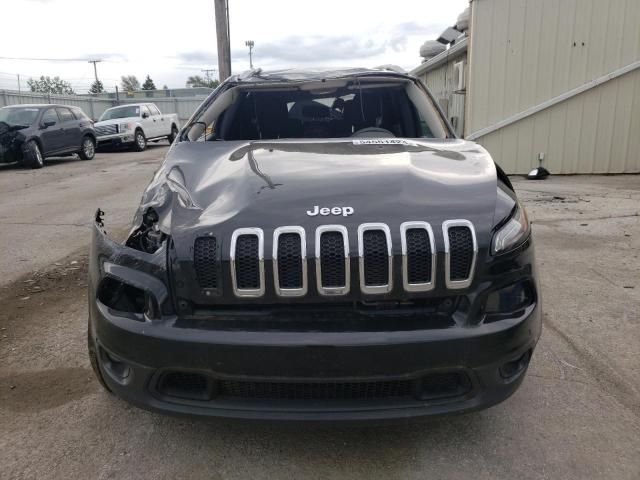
250,44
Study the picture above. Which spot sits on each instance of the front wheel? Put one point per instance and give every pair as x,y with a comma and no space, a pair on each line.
174,134
33,155
88,150
139,141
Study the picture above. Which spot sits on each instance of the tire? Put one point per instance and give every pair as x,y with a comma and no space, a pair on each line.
88,149
33,156
93,358
139,141
174,133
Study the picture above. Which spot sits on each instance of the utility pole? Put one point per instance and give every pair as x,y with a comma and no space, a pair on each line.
250,44
223,38
19,89
208,72
95,69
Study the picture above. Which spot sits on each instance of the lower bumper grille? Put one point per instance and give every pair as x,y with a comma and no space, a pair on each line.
197,386
316,391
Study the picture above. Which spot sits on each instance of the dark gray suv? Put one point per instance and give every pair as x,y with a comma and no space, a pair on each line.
30,133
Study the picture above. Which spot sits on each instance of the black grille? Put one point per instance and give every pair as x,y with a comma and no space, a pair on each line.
186,385
376,258
461,253
290,260
247,262
332,260
316,391
418,256
205,262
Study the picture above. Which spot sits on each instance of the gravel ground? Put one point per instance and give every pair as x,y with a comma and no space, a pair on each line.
576,416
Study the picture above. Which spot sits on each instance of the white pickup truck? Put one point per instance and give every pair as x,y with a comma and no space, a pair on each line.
135,124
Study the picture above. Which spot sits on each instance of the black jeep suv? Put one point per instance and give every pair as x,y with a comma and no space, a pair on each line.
30,133
317,246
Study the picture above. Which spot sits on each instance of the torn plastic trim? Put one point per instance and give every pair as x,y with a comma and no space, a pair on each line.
155,291
140,270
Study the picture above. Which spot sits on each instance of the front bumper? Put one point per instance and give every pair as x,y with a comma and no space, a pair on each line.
296,375
116,139
254,359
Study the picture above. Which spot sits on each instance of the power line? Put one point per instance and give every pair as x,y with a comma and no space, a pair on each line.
45,59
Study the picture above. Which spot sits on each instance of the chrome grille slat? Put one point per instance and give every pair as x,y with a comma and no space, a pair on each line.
103,130
461,251
376,275
419,257
332,259
247,262
335,257
290,261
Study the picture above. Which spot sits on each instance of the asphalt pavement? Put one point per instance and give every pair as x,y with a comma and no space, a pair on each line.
576,416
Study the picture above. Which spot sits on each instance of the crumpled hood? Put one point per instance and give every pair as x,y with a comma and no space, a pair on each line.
268,184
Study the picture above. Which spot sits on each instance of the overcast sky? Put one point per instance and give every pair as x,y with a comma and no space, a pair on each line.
172,40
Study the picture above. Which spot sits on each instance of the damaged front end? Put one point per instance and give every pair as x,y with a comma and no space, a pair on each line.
129,281
12,142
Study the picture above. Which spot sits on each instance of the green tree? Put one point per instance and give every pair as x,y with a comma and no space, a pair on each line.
198,81
129,83
148,84
53,85
96,87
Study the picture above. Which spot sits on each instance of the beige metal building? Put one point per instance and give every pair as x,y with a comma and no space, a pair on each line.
445,76
555,79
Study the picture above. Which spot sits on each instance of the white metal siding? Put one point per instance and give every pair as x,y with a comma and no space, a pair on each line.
443,82
524,52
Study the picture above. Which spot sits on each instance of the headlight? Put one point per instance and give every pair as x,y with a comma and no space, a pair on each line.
125,127
511,233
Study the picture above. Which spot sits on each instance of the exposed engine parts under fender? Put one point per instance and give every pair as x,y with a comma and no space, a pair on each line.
147,237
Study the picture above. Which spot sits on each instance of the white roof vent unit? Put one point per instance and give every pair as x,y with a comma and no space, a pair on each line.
431,48
462,24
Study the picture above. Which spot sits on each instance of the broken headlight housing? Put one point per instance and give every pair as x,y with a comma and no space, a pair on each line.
512,233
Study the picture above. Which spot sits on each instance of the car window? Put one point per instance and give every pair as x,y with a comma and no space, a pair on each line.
389,109
145,109
121,112
18,116
79,114
65,114
154,110
50,116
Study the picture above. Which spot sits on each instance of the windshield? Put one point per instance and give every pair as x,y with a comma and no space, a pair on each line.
18,116
347,108
120,112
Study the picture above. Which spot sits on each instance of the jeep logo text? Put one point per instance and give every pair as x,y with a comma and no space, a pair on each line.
324,211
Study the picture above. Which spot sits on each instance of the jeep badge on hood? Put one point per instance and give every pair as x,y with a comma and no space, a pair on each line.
324,211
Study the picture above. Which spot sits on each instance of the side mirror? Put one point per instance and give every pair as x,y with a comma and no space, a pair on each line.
48,124
145,115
